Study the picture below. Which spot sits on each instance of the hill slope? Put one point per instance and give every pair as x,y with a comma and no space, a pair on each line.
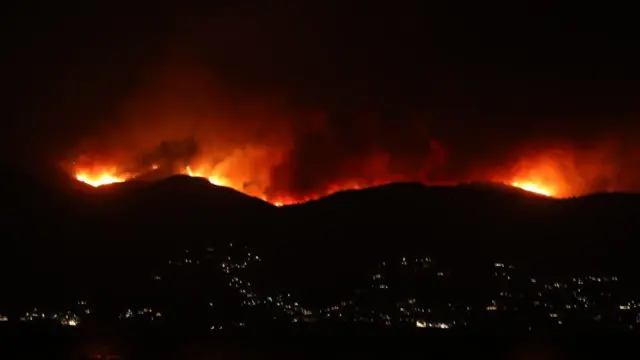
111,234
470,222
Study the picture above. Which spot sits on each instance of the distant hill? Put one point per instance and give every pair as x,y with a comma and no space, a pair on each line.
63,229
470,223
192,199
63,233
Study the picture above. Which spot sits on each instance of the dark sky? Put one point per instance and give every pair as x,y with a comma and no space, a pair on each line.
482,80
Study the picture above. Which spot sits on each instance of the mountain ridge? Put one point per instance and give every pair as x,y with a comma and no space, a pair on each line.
137,224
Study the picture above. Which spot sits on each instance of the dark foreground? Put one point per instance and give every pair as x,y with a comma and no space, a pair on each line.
31,344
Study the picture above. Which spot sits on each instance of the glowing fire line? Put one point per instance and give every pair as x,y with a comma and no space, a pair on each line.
100,178
103,178
111,176
533,187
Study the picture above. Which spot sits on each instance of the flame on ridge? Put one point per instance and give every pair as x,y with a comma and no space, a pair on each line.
534,188
111,176
102,177
546,173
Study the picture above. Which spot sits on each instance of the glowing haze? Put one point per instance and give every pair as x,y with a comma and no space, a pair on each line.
259,155
263,146
182,121
266,147
295,100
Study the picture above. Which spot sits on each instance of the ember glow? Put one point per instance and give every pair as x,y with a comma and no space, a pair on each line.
284,152
549,174
214,179
99,178
534,188
251,172
534,184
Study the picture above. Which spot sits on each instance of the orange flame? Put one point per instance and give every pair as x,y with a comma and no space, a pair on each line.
534,188
213,178
551,174
546,174
100,178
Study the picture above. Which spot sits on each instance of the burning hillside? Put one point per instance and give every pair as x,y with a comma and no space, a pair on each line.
255,172
293,102
251,170
183,121
111,175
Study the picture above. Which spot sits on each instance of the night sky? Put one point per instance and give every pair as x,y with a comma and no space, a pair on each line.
439,90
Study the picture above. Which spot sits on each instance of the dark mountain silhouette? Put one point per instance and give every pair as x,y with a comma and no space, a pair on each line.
191,199
466,224
61,233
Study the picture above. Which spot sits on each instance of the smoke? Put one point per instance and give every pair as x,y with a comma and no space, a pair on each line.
573,167
254,90
296,100
267,143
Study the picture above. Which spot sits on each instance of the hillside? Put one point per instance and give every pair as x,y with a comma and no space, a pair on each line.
64,232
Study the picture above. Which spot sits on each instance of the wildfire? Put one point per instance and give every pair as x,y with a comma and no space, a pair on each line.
547,174
100,178
539,175
214,179
534,188
105,177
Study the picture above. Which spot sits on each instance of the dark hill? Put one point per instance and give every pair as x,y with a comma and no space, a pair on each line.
61,233
174,212
465,224
192,199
